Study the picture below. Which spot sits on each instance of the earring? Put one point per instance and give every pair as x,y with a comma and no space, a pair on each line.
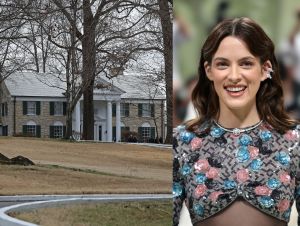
269,71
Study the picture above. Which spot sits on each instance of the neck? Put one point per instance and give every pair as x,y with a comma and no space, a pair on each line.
237,119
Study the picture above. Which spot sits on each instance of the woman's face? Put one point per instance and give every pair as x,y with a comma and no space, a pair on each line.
236,74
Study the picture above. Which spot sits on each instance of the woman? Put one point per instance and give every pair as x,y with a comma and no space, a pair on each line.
237,164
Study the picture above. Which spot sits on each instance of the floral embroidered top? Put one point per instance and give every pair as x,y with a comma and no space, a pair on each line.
213,167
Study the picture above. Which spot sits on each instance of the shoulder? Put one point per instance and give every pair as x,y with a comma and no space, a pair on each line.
186,139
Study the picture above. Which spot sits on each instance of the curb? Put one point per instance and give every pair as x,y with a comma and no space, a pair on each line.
10,221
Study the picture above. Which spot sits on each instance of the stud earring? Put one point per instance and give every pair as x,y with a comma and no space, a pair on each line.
269,71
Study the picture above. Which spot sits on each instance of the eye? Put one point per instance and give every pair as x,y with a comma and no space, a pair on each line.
246,64
221,65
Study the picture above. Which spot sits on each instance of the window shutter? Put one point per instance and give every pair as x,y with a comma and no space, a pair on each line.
6,108
114,110
51,135
38,131
152,110
153,132
24,130
24,107
140,133
126,109
140,109
2,109
38,108
64,131
51,108
64,108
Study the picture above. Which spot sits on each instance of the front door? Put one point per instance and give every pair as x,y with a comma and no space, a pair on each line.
100,133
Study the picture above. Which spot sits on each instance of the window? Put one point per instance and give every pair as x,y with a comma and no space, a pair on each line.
124,109
57,108
146,133
31,129
4,109
146,110
31,108
57,130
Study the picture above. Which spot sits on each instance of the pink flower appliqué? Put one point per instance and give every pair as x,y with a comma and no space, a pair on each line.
253,152
285,178
212,173
196,143
215,195
200,190
201,165
291,135
283,205
242,175
263,190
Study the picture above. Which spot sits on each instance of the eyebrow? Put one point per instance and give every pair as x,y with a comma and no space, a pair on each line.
244,58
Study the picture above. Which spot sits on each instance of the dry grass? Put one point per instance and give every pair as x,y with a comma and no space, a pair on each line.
146,213
84,168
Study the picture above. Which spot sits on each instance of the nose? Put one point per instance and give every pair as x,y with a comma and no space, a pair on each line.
234,75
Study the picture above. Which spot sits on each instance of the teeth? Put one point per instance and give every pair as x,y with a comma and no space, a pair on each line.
235,89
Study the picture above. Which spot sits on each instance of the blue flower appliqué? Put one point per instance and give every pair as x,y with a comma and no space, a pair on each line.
243,154
216,132
186,136
266,201
186,169
198,209
286,214
283,158
265,135
273,183
200,178
245,140
256,164
229,184
177,189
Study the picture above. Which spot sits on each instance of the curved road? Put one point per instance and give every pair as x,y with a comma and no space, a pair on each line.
25,202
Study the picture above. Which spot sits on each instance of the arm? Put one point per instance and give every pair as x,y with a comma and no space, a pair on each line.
178,182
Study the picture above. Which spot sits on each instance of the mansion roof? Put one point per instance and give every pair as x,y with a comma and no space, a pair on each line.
33,84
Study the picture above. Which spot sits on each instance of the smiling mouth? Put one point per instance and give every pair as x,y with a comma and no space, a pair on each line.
235,89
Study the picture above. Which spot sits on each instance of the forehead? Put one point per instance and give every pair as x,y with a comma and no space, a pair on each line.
233,48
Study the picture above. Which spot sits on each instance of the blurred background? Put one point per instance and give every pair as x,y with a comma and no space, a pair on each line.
195,18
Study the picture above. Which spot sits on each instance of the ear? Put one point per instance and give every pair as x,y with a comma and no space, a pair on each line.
266,67
208,70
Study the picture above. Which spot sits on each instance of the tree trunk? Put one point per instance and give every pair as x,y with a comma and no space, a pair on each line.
89,69
165,18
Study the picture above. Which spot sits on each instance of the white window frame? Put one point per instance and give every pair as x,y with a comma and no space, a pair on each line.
31,108
58,108
146,110
31,128
58,129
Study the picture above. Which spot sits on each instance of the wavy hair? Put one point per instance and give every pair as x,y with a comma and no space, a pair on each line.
269,98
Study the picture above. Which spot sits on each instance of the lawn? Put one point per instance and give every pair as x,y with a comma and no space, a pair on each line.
146,213
64,167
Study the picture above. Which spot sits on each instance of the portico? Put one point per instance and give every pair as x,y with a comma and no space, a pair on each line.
103,124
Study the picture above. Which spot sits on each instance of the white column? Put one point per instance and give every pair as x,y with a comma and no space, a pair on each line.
109,122
118,122
77,117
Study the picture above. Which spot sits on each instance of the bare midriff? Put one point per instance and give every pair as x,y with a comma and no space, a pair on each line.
241,213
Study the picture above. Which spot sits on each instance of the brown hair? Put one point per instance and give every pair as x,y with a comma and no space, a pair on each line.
269,98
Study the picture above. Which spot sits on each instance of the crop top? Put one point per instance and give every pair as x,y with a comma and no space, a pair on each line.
213,167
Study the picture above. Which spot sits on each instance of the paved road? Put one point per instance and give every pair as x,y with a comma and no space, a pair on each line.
19,203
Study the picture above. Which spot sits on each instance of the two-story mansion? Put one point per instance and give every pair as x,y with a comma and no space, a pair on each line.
33,104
